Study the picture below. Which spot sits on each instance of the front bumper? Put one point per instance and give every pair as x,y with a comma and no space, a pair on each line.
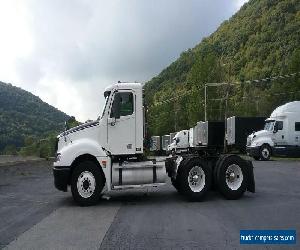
61,177
253,151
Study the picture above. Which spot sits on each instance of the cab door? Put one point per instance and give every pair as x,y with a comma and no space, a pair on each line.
121,123
296,136
280,133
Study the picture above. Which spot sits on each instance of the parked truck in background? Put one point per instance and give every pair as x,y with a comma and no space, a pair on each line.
165,142
280,136
205,135
180,142
172,135
155,144
108,154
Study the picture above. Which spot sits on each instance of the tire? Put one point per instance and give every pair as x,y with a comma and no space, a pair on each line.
194,179
215,171
232,177
87,183
265,152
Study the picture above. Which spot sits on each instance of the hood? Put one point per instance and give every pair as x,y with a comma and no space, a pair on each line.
262,133
79,128
172,145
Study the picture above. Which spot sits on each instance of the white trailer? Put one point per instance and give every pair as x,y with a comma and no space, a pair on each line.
155,145
280,136
165,142
109,153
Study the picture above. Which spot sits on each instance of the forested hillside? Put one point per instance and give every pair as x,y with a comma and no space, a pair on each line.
261,40
25,118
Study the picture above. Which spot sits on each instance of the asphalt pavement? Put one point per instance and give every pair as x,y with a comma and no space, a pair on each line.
34,215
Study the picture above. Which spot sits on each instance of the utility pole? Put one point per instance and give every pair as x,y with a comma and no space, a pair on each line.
175,115
205,114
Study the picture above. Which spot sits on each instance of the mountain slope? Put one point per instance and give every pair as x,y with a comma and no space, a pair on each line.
262,39
23,114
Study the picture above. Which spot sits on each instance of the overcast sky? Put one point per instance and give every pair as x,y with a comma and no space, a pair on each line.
67,52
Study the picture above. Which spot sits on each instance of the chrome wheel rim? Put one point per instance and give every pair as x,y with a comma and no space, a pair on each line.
234,177
196,179
265,153
86,184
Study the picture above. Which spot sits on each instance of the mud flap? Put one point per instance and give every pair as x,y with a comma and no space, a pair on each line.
170,164
250,174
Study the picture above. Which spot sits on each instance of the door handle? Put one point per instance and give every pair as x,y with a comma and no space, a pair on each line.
282,137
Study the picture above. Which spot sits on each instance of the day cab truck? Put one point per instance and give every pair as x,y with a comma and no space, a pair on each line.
180,142
108,154
280,136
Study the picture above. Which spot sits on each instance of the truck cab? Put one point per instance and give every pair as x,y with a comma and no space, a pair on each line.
112,144
108,154
180,142
280,136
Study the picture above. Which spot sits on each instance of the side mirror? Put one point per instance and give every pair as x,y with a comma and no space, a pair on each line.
112,121
275,130
177,140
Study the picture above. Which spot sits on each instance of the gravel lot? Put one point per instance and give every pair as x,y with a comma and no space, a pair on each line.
34,215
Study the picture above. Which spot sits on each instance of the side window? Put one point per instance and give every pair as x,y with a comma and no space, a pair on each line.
279,125
123,103
297,126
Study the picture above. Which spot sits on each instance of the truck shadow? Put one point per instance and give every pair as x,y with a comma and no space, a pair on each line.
141,198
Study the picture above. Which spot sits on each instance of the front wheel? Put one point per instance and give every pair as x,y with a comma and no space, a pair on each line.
265,152
87,183
195,179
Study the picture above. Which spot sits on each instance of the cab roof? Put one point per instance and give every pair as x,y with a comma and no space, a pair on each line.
124,85
289,107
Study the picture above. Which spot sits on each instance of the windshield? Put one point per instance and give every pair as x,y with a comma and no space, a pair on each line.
106,95
269,125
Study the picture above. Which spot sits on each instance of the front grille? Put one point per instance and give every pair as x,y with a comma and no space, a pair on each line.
248,141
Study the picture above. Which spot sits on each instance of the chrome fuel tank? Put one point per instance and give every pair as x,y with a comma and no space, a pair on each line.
138,173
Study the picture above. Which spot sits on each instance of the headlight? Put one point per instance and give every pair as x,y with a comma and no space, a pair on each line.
57,157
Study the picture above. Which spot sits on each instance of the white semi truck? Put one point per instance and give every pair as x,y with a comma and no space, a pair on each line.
108,154
180,142
280,136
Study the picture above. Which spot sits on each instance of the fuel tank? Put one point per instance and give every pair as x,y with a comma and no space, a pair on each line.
138,173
